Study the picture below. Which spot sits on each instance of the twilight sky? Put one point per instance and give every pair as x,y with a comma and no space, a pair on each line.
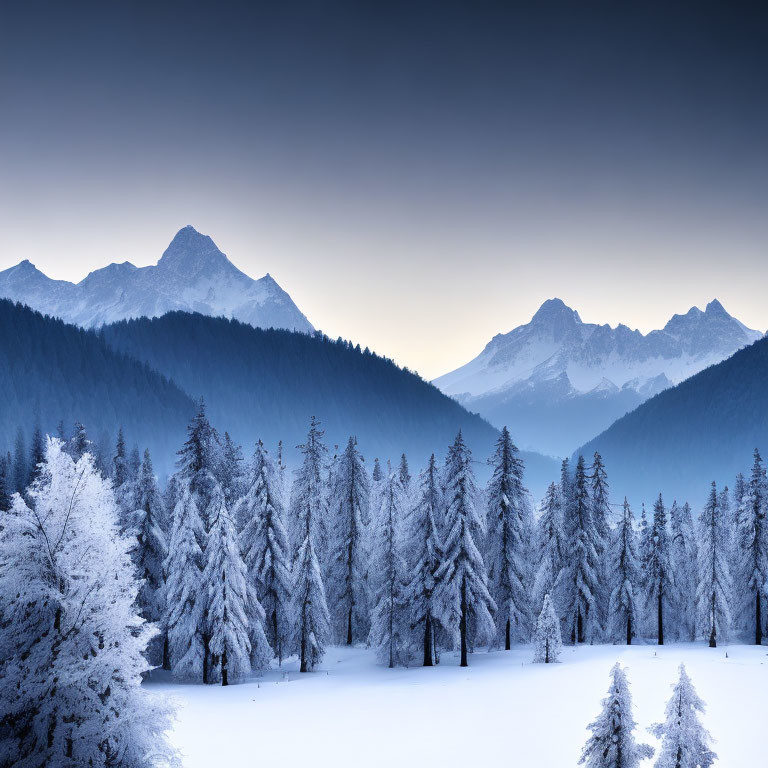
418,176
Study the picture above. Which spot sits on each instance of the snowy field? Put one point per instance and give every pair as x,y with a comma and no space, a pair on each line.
502,710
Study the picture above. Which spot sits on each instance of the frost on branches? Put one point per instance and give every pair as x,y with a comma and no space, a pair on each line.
547,642
72,647
612,743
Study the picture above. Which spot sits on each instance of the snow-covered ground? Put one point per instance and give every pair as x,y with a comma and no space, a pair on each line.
502,710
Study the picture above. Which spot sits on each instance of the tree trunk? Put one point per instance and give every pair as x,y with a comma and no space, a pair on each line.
428,641
278,647
758,620
712,633
580,627
546,651
205,658
224,672
463,625
166,653
660,615
349,626
303,667
507,643
629,630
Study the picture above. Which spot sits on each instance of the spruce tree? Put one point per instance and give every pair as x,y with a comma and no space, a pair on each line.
120,461
230,470
601,514
465,601
79,443
659,567
683,557
234,617
265,547
405,474
347,561
312,621
425,558
36,453
684,740
389,634
5,485
551,548
185,602
624,608
612,743
714,589
547,641
20,466
752,550
506,549
149,525
583,568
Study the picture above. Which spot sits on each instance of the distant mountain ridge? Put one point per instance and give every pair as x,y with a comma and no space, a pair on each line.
192,275
557,381
703,429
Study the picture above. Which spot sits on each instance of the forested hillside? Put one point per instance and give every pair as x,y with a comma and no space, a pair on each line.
704,429
54,372
268,384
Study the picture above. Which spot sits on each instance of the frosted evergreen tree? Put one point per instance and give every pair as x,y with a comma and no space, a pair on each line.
20,466
234,617
148,525
601,514
612,743
658,567
265,547
714,588
79,443
230,470
389,634
36,453
464,599
425,558
547,641
405,474
72,646
312,621
683,556
506,550
551,548
625,606
120,472
684,740
752,550
185,602
5,485
378,474
582,584
347,561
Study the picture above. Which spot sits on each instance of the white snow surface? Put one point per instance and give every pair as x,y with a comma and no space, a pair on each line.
193,275
502,710
556,346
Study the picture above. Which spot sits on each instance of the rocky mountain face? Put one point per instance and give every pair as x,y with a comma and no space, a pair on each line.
193,275
558,381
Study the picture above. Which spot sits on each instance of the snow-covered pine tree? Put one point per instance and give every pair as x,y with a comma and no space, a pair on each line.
464,599
312,621
72,646
550,549
198,461
612,743
185,602
405,474
714,588
624,609
424,558
601,516
378,474
506,551
120,461
79,443
265,547
582,583
347,561
659,568
389,634
752,550
683,556
547,641
235,618
230,470
684,740
148,525
5,485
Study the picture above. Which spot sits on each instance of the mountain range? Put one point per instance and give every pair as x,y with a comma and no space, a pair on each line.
557,381
193,275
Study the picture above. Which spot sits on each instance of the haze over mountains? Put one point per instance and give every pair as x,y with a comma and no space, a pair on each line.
193,275
559,381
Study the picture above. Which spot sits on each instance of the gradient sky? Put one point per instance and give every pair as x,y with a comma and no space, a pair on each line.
418,176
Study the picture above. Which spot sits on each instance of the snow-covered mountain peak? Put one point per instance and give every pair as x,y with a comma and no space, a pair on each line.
555,313
192,275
